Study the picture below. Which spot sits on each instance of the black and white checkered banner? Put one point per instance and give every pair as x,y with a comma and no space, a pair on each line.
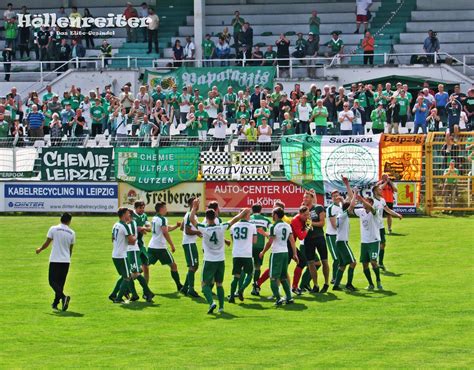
253,166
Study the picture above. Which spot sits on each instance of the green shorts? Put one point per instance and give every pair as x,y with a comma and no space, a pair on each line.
382,235
143,254
331,243
369,251
279,265
240,264
344,253
256,257
191,254
121,264
134,261
162,255
213,271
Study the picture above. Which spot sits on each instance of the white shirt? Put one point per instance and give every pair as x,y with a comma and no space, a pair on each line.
185,108
213,241
188,50
63,237
264,136
158,240
333,211
220,129
120,233
134,231
153,22
281,231
369,230
210,109
86,113
362,6
346,124
242,235
343,227
379,206
304,112
189,239
121,127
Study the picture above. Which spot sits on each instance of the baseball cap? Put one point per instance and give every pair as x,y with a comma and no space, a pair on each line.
311,34
356,101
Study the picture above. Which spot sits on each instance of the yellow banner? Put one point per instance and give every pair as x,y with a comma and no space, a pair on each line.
176,197
401,156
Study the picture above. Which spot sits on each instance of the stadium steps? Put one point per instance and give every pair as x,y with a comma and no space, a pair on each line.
172,14
386,35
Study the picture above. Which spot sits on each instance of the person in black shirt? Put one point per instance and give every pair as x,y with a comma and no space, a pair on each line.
79,123
64,54
469,109
283,50
42,41
246,38
255,99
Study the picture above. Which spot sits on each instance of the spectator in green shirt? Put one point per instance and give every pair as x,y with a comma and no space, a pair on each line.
98,115
196,99
47,118
378,118
275,98
261,112
320,118
314,23
208,49
229,103
192,128
450,185
335,45
269,58
202,117
4,127
404,103
147,131
158,94
242,113
287,126
237,23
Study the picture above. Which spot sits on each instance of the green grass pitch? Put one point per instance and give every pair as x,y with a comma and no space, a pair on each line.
424,318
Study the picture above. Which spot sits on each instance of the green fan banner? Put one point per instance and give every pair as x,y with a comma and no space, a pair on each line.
206,77
154,169
319,162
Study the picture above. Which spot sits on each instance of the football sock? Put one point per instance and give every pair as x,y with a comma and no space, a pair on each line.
247,281
335,267
264,277
274,286
306,278
117,287
297,276
286,288
339,275
144,284
256,275
381,256
377,274
220,296
233,286
175,276
123,289
350,275
368,276
241,280
190,280
185,284
206,290
131,285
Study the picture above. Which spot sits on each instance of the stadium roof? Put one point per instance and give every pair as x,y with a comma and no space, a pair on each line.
413,82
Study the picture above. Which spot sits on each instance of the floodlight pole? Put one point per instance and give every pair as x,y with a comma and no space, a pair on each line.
199,29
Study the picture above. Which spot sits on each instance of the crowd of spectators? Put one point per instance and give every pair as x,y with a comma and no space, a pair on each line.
254,116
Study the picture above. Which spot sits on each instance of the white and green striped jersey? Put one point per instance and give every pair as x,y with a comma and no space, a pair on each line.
379,205
369,229
158,240
343,227
242,236
333,211
280,232
189,239
213,241
134,231
120,233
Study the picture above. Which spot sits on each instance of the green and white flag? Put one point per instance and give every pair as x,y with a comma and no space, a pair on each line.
319,162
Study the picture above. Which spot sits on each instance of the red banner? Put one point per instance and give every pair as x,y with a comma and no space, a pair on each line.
233,196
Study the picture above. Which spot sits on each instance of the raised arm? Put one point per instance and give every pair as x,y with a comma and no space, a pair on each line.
350,193
241,215
365,203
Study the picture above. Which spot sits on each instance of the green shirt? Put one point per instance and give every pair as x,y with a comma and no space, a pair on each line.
230,98
378,118
47,97
65,101
269,56
386,95
4,128
261,222
239,115
97,114
404,105
204,117
141,221
469,141
276,97
238,25
208,47
451,180
335,45
173,99
315,213
196,100
287,127
314,23
362,97
47,117
158,96
322,118
259,119
192,128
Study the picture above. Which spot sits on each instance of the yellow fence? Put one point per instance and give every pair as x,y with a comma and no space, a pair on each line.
449,170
